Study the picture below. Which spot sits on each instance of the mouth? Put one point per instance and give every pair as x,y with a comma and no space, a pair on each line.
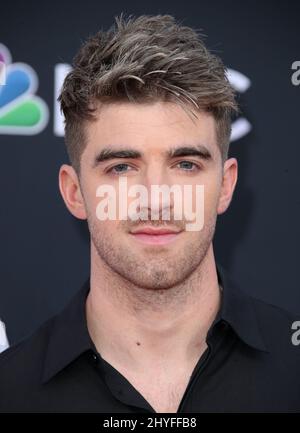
155,236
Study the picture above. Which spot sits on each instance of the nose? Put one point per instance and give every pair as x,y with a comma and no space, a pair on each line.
158,183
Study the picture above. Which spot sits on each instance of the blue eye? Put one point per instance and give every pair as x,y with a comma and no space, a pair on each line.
119,168
188,165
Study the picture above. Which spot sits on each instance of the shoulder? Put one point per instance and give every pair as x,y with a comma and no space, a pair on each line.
22,363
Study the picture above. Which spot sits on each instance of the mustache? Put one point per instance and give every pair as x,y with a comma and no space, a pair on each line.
175,224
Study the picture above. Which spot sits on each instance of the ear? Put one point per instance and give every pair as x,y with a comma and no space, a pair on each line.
230,174
70,190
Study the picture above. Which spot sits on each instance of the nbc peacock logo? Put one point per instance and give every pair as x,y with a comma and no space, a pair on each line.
21,111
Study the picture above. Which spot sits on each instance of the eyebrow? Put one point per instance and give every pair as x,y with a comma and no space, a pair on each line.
200,151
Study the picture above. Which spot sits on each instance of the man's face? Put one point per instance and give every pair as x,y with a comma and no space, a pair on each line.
166,147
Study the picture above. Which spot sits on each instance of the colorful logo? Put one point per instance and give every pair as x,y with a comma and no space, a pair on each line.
21,111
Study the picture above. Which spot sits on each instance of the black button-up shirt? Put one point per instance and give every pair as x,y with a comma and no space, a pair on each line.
250,365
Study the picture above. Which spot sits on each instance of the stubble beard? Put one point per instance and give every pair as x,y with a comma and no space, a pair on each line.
156,271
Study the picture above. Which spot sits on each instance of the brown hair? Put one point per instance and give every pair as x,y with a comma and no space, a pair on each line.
145,59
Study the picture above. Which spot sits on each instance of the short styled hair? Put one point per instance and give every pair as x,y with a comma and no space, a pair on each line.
142,60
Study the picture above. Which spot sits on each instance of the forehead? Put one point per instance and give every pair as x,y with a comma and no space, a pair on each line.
149,128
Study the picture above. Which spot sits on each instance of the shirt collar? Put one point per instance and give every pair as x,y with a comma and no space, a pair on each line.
238,310
69,336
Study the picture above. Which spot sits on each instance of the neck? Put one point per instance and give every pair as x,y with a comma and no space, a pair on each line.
138,328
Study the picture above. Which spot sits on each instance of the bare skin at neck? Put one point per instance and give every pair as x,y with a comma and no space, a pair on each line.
144,330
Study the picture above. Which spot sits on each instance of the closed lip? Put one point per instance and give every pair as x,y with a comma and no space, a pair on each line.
155,231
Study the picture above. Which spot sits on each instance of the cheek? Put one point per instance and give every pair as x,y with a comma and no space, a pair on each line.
100,200
89,186
108,232
211,197
207,194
